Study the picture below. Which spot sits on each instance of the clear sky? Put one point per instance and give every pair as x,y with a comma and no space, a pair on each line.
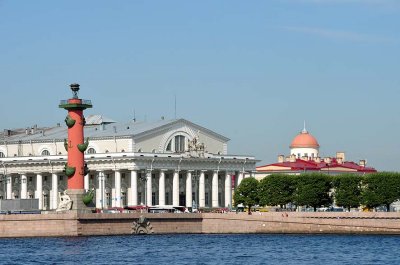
250,70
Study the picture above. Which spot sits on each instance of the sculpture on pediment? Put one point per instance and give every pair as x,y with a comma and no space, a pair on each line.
195,148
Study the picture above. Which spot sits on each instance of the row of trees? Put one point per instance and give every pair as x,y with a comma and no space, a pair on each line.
320,190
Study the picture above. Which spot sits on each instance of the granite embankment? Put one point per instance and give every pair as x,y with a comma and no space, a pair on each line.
86,224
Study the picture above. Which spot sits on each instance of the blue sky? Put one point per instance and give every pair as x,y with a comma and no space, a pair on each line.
250,70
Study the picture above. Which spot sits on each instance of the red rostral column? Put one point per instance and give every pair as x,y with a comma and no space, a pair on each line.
75,168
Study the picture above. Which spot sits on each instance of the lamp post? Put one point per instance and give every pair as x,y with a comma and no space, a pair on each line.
195,178
143,178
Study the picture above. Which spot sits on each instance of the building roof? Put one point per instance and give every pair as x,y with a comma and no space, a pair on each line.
304,140
311,165
101,130
98,119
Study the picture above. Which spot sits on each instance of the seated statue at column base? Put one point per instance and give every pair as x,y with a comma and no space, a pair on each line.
65,202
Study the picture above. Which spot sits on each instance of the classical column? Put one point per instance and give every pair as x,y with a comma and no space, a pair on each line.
161,188
9,187
54,191
24,186
39,190
202,190
100,190
214,192
86,182
189,196
149,189
117,176
175,189
240,178
228,189
133,194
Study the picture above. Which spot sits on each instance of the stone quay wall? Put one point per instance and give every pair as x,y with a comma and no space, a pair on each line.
304,223
87,224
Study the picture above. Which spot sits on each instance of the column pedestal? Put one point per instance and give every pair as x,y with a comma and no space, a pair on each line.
77,200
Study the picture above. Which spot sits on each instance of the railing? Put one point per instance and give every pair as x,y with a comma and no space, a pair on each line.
83,101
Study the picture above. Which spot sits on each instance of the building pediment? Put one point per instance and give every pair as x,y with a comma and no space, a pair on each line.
180,125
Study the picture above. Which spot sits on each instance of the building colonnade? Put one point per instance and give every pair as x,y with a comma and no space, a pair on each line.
119,188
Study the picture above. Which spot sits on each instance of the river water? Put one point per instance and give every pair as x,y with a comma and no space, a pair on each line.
203,249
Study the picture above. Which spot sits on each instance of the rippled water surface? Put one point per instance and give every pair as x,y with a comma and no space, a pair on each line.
203,249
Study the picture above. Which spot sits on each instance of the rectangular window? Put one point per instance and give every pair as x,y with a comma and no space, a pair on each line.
61,178
140,198
153,198
108,199
179,143
167,198
206,200
123,199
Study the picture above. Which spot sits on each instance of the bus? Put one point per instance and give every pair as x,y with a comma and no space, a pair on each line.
166,209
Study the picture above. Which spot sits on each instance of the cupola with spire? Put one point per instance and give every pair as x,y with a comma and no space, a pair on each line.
304,145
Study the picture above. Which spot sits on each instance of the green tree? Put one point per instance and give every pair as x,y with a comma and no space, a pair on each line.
313,190
381,188
276,189
247,193
347,190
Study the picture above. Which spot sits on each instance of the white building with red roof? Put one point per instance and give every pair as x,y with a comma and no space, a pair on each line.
304,157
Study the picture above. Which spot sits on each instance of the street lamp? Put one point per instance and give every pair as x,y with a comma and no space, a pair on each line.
195,179
143,178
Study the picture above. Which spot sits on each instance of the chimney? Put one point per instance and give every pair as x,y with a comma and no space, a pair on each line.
317,159
115,129
292,158
7,132
58,124
363,163
27,131
339,160
327,160
340,155
281,158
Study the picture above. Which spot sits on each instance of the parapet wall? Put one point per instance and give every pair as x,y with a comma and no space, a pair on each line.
310,223
38,225
75,224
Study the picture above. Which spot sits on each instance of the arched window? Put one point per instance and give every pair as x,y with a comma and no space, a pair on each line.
2,154
91,150
45,152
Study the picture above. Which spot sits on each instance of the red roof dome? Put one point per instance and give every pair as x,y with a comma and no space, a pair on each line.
304,140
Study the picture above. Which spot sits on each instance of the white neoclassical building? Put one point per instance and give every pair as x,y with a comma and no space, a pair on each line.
167,162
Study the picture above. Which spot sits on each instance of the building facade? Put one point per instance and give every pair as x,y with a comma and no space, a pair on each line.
168,162
304,157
